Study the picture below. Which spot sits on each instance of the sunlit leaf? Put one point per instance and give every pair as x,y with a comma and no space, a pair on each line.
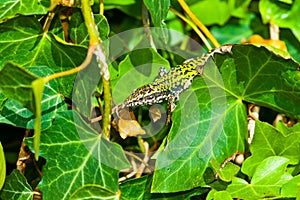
281,14
23,42
10,9
211,116
268,142
267,180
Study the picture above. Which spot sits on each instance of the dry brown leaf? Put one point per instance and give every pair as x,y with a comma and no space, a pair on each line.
129,128
155,113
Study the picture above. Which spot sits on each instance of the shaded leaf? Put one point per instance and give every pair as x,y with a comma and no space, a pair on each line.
94,192
139,188
76,156
159,11
16,187
78,31
15,83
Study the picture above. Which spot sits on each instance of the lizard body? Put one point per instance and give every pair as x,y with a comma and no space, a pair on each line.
169,85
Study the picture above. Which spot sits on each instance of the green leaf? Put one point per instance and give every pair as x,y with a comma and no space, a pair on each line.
118,2
2,167
208,112
140,189
227,173
137,188
15,114
94,192
268,142
78,31
291,188
16,187
194,140
217,11
281,14
159,11
31,47
10,9
281,79
15,83
267,180
238,30
26,89
222,195
76,156
140,67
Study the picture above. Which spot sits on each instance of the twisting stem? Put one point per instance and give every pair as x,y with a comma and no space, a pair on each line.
101,59
101,10
85,63
199,24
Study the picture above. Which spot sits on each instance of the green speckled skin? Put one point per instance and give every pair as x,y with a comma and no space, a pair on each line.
169,85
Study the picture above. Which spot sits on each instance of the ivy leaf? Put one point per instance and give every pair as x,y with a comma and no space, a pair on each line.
291,188
159,11
140,67
16,187
10,9
265,182
94,192
2,167
31,47
15,83
76,156
217,11
281,14
26,89
281,79
139,188
78,31
15,114
207,113
227,172
268,141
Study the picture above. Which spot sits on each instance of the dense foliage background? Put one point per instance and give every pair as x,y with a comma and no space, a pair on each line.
207,151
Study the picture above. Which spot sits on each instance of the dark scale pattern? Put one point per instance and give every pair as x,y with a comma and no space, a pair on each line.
169,85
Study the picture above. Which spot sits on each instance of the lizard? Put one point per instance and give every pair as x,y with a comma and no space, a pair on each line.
167,86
